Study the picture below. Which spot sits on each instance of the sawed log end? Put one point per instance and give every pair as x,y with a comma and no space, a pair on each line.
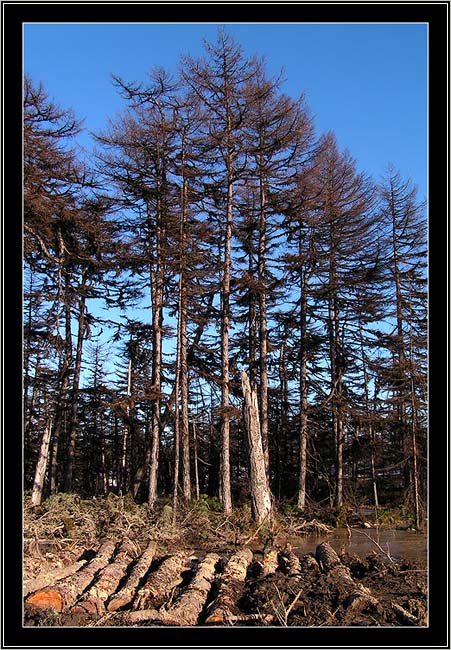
46,600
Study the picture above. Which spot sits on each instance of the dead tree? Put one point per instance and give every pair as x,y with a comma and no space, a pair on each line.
260,492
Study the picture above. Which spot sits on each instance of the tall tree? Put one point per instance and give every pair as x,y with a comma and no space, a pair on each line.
345,204
140,145
279,136
403,216
219,84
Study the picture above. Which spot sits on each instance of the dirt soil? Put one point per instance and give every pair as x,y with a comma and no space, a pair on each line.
317,599
65,530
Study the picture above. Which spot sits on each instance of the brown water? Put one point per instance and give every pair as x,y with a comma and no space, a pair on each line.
399,544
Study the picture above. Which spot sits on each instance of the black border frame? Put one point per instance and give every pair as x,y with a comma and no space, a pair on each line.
14,14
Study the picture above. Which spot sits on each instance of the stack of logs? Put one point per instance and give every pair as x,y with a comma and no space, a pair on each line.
178,589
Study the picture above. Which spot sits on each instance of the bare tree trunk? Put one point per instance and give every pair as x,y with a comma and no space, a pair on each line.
416,494
260,493
176,408
75,386
41,466
226,494
184,373
282,443
263,323
367,406
184,379
196,468
127,429
61,406
157,334
303,433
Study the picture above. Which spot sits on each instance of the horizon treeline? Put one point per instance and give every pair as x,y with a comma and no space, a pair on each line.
214,231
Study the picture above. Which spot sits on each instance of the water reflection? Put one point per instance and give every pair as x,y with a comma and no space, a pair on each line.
399,544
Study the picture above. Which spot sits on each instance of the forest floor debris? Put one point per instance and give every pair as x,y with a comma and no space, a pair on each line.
278,588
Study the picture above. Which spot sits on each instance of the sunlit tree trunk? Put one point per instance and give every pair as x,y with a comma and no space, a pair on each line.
41,465
260,493
73,418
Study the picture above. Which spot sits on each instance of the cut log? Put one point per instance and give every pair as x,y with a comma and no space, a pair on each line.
327,557
60,597
230,586
329,560
355,596
190,603
308,563
108,579
188,606
291,562
269,564
160,583
49,578
125,596
144,615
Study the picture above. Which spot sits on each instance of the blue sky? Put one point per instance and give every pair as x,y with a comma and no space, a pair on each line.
365,82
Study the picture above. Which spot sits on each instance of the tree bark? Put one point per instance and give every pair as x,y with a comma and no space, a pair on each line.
41,466
107,581
159,584
62,597
125,596
260,492
231,584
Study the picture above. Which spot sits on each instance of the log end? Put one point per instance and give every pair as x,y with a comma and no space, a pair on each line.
215,619
219,616
117,603
47,600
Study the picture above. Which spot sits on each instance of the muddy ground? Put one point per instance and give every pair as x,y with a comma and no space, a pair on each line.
376,591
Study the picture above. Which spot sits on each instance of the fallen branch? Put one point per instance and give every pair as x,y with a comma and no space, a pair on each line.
50,577
406,616
355,530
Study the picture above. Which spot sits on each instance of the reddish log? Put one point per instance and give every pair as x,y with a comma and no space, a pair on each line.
63,596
